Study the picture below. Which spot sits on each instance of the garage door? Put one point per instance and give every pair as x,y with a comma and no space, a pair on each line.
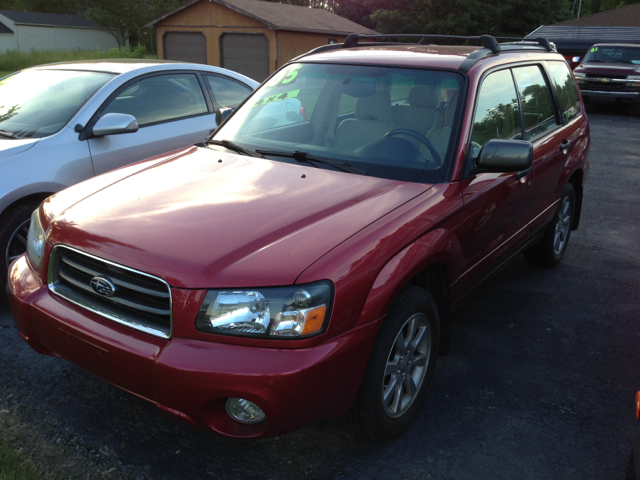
186,47
246,54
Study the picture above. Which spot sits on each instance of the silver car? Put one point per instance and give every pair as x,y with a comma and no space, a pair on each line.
63,123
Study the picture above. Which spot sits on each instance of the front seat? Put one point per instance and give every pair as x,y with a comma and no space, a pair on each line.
372,122
422,113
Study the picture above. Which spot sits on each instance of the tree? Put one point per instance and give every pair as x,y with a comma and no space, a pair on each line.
43,6
123,18
471,17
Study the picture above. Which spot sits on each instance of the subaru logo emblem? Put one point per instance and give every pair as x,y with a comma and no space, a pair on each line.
103,286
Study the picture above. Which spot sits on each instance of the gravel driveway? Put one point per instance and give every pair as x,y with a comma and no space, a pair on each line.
540,382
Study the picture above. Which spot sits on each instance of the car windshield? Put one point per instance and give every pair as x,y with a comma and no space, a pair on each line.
385,122
38,103
606,54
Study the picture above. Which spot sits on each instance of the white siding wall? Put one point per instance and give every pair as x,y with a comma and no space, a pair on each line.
7,42
58,38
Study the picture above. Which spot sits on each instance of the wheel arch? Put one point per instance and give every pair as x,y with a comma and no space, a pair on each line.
33,197
576,182
26,193
431,262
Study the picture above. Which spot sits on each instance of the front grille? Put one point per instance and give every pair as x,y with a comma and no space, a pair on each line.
605,86
138,300
615,77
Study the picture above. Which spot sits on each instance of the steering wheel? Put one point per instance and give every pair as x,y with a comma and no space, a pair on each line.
418,136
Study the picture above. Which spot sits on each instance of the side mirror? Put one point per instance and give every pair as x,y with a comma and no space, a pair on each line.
575,59
499,155
222,114
115,123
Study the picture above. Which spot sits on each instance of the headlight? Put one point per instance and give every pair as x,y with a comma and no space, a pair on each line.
635,81
298,311
35,240
579,75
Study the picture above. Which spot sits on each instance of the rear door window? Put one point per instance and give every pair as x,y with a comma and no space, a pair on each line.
538,110
566,90
497,112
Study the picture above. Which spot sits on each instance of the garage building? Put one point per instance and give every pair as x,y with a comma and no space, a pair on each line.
251,37
51,31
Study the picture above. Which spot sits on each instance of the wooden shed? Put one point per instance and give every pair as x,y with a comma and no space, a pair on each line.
252,37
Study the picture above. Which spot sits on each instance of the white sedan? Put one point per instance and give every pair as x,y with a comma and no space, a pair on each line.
63,123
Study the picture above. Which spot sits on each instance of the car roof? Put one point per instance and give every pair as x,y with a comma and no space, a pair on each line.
453,57
634,45
115,65
408,55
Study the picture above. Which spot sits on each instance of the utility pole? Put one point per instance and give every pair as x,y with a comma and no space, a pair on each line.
579,7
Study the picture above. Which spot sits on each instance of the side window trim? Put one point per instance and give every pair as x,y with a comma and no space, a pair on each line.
205,92
87,132
523,131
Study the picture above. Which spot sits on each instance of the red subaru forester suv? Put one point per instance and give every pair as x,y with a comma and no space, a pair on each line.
295,268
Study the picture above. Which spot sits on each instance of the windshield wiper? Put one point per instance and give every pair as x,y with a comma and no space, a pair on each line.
8,134
305,157
228,144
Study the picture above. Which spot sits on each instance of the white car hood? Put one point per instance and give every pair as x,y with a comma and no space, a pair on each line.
10,146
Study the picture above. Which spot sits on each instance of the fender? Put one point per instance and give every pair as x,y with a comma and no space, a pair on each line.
438,246
19,193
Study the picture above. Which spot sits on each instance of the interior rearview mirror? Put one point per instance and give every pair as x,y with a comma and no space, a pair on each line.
115,123
222,114
499,155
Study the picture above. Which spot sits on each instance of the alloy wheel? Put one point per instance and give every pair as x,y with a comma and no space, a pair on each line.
17,242
562,226
406,365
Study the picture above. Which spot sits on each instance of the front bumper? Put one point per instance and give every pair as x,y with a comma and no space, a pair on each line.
192,379
631,97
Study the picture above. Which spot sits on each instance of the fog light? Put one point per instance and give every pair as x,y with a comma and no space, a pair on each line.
244,411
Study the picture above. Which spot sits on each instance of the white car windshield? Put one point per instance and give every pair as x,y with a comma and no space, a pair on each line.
38,103
612,54
386,122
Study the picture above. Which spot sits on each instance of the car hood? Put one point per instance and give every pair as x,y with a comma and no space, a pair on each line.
597,68
210,219
11,146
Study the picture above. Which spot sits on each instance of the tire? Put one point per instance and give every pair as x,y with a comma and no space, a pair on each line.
14,228
555,239
413,314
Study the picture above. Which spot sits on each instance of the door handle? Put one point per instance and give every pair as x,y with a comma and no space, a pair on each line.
565,144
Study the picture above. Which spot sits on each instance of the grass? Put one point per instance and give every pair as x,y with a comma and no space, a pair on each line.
13,60
14,465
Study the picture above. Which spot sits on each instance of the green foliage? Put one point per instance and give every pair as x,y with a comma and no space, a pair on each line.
14,466
13,60
596,6
471,17
43,6
122,18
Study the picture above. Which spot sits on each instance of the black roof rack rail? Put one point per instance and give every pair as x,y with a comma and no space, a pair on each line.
489,42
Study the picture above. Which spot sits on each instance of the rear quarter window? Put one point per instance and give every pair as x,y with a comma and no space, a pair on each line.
566,90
